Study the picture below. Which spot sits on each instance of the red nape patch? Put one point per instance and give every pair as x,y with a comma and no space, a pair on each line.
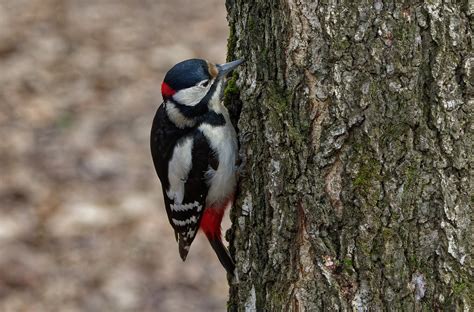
166,90
211,220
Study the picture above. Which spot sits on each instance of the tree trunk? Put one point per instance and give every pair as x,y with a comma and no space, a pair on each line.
356,125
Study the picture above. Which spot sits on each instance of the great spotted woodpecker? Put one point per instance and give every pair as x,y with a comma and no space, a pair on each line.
194,150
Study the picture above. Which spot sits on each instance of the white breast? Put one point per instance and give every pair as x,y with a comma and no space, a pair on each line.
223,141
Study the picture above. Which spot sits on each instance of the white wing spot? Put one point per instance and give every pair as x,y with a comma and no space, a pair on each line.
178,169
190,233
185,207
191,220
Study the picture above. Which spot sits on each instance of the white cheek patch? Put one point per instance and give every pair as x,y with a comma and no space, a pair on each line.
191,96
178,170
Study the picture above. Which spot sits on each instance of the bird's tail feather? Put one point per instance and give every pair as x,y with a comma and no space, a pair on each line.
223,254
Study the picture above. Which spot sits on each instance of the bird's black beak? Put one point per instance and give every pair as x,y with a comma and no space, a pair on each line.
226,68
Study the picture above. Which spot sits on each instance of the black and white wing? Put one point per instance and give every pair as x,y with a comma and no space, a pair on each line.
183,177
188,189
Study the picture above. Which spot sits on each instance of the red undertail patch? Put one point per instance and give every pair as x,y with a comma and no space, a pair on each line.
211,219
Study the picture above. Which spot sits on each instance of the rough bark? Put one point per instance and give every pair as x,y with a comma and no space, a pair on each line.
356,125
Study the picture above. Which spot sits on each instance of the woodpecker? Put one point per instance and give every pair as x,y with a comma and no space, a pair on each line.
194,150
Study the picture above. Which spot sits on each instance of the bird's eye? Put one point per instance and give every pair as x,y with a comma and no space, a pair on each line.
204,83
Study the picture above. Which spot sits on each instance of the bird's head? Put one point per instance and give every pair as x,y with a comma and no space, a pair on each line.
192,88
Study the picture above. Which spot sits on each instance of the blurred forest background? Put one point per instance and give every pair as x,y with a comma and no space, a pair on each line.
82,227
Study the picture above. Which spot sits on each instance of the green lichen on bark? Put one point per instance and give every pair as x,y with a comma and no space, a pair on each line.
356,129
231,88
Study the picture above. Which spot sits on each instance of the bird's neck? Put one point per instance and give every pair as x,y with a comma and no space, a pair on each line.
216,115
177,116
216,104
